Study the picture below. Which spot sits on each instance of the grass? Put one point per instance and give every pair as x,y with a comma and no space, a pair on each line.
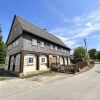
43,73
2,78
2,66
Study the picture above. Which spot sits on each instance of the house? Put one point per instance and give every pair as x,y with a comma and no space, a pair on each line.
32,49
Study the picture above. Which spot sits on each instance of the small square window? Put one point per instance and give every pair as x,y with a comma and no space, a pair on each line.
42,44
62,50
55,47
43,60
34,42
51,46
30,60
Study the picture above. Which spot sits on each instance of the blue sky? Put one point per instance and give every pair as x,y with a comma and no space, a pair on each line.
70,20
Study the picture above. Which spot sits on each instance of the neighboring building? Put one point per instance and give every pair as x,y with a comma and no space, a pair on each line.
32,49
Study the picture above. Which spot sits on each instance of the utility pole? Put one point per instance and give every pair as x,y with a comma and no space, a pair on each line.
85,44
87,56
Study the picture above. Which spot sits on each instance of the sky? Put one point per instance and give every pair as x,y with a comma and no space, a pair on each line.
70,20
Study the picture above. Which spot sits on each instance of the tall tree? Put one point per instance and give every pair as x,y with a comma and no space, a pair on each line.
80,53
98,55
93,53
2,49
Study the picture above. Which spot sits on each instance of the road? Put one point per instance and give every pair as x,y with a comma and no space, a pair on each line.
85,86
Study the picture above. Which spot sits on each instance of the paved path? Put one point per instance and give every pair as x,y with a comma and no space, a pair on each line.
85,86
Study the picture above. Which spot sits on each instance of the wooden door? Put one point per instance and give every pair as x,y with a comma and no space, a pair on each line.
54,60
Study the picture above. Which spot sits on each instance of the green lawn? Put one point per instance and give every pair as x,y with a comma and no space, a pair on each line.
2,66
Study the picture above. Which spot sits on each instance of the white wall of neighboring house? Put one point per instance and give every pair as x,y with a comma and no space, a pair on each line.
29,67
43,62
17,63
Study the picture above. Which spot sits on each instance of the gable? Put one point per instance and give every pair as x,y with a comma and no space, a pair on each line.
15,31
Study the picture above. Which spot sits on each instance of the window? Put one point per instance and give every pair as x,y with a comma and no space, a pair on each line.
9,47
55,47
34,42
62,50
51,46
65,50
30,60
42,44
43,60
16,42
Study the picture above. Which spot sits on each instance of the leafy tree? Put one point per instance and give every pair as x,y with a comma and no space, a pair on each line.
2,49
98,55
93,53
80,53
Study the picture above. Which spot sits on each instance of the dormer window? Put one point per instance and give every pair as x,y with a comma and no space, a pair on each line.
42,44
51,46
34,42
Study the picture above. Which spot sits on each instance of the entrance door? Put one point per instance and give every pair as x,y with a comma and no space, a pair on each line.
54,60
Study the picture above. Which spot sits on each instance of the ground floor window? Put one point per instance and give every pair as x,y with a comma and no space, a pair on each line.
30,60
43,60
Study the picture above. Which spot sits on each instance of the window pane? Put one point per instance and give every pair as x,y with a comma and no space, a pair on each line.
34,42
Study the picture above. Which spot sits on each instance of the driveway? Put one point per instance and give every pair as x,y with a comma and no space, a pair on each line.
85,86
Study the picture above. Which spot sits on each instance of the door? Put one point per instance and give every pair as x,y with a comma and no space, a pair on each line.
54,60
43,62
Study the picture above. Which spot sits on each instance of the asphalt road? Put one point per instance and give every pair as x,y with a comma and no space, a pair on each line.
85,86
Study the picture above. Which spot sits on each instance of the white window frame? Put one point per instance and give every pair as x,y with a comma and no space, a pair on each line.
34,42
56,48
42,44
28,63
62,50
51,46
44,60
16,42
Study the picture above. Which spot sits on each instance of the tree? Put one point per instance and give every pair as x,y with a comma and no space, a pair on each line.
2,49
98,55
93,53
80,53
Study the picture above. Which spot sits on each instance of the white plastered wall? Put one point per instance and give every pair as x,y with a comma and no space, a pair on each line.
29,68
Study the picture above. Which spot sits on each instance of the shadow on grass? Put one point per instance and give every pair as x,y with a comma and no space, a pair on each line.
4,73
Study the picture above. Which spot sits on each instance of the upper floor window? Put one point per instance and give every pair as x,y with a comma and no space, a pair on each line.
51,46
16,42
9,47
55,47
34,42
65,50
62,50
42,44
